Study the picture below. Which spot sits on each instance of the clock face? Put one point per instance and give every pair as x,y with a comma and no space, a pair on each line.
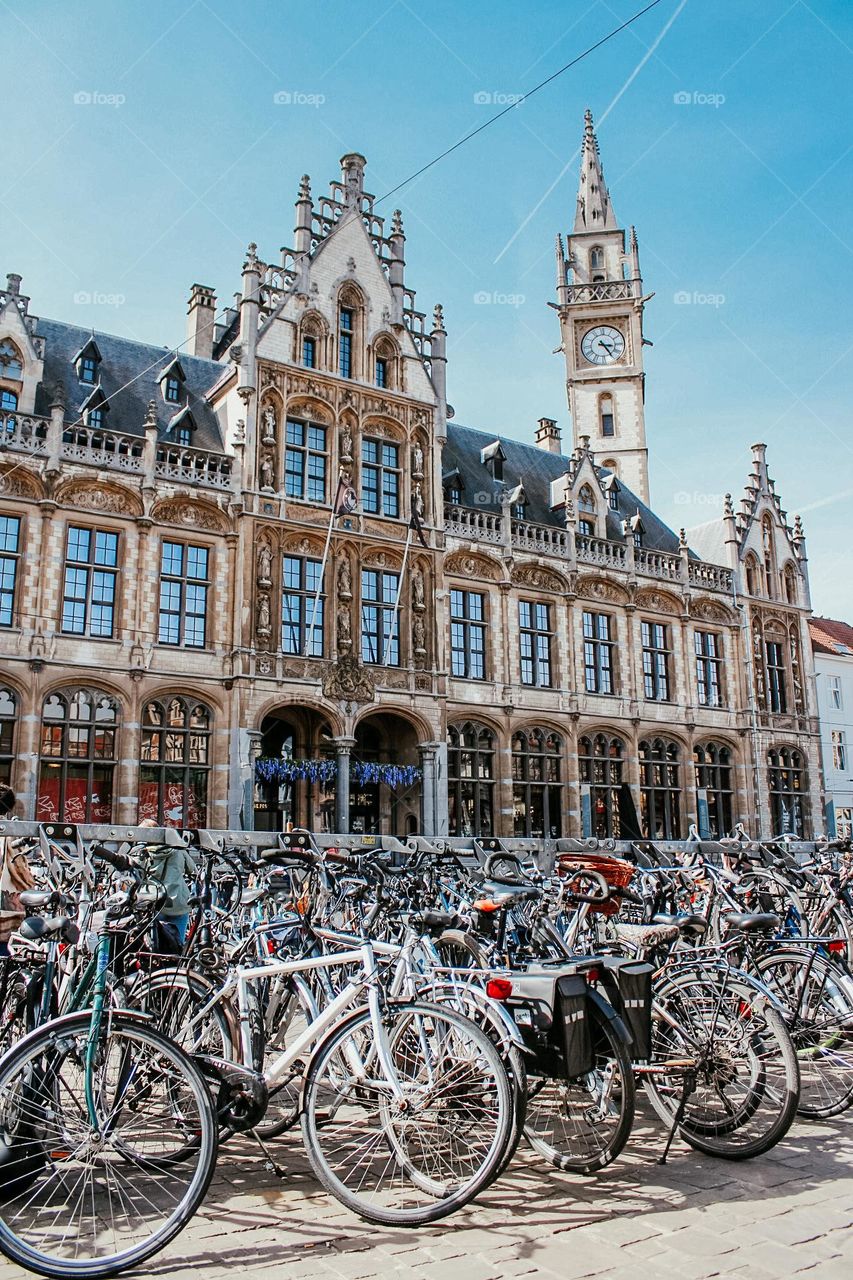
603,344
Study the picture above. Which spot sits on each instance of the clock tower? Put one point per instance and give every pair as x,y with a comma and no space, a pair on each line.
600,304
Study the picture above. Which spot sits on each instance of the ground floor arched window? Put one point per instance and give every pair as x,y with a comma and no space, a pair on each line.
8,733
601,761
174,768
78,755
660,789
715,787
537,791
470,779
787,781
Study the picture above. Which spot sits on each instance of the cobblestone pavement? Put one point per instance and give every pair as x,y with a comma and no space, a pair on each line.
788,1213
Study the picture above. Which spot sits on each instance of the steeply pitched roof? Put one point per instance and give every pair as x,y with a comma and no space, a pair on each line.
536,468
121,362
831,636
709,541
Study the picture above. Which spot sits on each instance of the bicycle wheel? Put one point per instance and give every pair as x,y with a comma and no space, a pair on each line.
720,1026
405,1162
173,998
583,1124
818,1011
288,1010
77,1201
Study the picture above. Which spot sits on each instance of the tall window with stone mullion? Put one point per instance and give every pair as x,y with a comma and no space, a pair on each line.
598,646
183,595
380,478
468,634
535,643
777,692
89,587
10,538
300,581
709,668
305,461
655,661
380,629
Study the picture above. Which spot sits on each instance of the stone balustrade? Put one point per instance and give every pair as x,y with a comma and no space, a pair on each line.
23,434
95,447
468,522
603,291
193,466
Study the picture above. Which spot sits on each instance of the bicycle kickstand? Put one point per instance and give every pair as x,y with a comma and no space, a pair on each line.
687,1090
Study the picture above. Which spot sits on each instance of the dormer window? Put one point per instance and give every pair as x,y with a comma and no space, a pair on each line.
638,537
611,488
493,458
11,363
184,435
95,417
517,502
87,362
181,428
453,487
172,390
454,495
172,381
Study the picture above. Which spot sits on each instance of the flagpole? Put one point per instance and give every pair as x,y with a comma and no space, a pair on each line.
310,636
397,601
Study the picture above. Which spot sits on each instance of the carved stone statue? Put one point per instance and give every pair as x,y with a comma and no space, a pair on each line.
262,626
267,473
418,591
417,461
346,445
269,425
264,565
345,581
418,504
344,629
418,634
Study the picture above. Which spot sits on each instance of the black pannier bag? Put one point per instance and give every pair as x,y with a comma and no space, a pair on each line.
571,1015
634,980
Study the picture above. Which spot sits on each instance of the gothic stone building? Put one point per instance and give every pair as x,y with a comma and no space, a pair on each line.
549,656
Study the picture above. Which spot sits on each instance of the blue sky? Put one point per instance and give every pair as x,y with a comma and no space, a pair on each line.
741,197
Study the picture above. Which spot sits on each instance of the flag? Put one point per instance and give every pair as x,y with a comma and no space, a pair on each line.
346,499
415,523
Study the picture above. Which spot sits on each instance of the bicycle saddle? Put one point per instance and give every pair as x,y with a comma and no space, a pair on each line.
751,922
692,926
38,928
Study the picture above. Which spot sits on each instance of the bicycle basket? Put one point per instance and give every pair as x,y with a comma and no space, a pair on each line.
616,871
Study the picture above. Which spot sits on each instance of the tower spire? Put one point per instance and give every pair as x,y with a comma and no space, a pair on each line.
594,210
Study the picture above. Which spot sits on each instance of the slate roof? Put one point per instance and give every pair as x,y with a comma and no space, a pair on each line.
121,361
709,541
831,636
535,468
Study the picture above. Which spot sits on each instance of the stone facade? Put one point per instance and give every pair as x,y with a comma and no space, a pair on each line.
515,625
832,645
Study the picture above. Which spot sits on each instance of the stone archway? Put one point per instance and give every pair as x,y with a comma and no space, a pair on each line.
378,806
301,738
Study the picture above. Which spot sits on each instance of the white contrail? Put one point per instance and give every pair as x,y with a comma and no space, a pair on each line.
599,121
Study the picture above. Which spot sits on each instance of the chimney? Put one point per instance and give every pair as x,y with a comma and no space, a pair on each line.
201,317
548,436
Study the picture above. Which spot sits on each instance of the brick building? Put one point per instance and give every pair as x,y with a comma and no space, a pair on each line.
541,655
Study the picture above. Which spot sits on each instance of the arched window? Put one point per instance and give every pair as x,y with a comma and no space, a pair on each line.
768,544
174,769
753,575
78,754
660,789
385,362
349,311
606,420
470,779
537,792
587,509
311,342
790,581
787,779
601,762
714,778
8,727
11,361
596,264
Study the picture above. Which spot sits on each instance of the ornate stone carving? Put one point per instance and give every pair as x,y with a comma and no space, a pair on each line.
348,681
196,514
418,504
345,580
418,635
417,460
262,625
18,483
531,575
267,473
468,566
264,666
710,611
423,682
113,501
658,601
269,424
598,589
346,443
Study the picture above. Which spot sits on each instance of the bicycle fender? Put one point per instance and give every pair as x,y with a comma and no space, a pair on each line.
605,1008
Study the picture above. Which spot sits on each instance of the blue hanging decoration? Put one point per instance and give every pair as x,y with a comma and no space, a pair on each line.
395,776
276,770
